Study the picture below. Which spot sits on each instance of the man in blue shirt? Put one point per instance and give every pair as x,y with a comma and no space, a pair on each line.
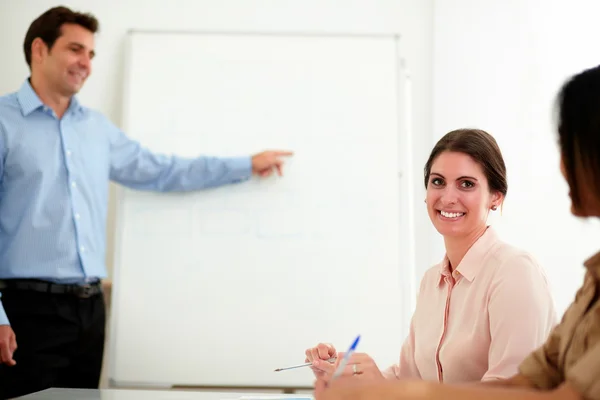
56,160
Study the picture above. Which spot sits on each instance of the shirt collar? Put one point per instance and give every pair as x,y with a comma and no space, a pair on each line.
75,105
30,101
593,265
472,261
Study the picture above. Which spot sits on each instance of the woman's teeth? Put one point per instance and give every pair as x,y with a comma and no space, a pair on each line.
451,214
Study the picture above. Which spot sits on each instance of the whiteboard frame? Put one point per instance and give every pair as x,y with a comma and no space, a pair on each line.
405,177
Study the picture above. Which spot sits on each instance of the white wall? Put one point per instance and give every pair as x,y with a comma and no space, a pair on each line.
495,65
411,18
498,66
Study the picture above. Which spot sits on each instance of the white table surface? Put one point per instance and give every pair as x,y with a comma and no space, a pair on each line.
126,394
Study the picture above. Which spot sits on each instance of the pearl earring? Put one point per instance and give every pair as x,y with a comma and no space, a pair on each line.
494,208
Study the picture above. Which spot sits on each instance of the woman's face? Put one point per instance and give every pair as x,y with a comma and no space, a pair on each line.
458,195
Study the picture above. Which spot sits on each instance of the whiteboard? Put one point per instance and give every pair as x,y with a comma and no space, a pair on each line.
222,286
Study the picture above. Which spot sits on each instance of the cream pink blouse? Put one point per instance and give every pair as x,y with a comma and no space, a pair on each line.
479,322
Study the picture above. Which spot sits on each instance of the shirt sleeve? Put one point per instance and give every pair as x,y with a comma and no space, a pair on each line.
138,168
583,376
541,367
521,315
2,151
3,316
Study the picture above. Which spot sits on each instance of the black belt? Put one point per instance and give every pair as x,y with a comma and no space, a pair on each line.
82,291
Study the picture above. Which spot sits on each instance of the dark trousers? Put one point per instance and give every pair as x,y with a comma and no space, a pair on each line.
60,341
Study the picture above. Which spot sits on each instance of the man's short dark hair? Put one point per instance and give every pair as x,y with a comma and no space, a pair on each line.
48,27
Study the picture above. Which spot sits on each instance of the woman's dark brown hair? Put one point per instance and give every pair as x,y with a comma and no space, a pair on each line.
481,147
579,132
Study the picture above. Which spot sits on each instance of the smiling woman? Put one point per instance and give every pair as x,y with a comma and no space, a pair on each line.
465,178
487,304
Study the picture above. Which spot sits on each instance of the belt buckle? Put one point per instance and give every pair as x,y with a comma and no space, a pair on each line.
84,291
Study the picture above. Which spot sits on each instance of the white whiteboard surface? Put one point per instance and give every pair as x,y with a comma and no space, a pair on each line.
220,287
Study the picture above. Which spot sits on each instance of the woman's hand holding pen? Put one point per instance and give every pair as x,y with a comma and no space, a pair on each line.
360,365
318,356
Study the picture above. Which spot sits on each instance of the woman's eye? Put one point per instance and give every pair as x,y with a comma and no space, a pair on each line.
467,184
437,181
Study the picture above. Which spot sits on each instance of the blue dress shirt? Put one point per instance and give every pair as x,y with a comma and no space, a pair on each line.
54,183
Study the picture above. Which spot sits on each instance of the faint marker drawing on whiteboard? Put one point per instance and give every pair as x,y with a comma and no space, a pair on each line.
223,222
165,221
282,223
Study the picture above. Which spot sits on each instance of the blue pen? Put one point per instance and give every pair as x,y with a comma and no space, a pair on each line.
345,360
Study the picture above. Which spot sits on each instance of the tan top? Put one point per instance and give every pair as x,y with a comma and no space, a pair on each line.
572,351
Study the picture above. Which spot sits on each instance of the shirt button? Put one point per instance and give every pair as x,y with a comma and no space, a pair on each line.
82,249
68,152
73,184
76,216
